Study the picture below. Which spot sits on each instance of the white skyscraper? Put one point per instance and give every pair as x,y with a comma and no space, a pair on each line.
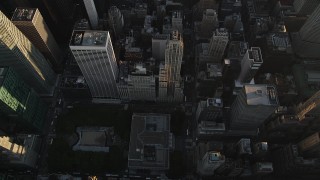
94,54
218,44
92,13
170,82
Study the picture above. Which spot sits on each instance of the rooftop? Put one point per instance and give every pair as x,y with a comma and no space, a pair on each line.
23,14
261,94
89,38
255,54
149,141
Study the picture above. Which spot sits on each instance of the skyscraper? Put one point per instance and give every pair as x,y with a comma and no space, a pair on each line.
310,146
250,64
94,54
253,105
20,103
31,23
306,43
170,83
305,7
159,44
20,54
92,13
116,22
176,21
218,44
209,22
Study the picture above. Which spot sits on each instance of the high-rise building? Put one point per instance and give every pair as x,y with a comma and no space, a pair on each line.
310,146
20,54
305,7
210,161
141,83
250,64
253,105
20,151
209,23
20,104
31,23
201,6
170,82
94,54
176,21
92,13
306,42
218,44
209,110
116,22
159,44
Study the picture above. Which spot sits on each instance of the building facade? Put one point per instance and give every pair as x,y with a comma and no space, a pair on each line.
20,54
218,44
253,105
31,23
305,7
159,44
250,64
170,82
116,22
20,104
177,21
92,13
306,42
209,23
94,54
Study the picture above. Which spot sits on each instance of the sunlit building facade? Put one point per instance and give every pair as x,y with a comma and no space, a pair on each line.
31,23
19,53
20,103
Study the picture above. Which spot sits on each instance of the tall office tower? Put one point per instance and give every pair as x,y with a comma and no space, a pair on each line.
27,113
209,23
210,161
92,13
115,20
310,146
250,64
20,151
306,43
159,44
305,7
176,21
31,23
209,110
141,83
201,6
218,44
94,54
253,105
170,82
20,54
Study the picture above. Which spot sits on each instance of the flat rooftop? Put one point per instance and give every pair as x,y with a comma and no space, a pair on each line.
149,141
261,94
255,54
89,38
23,14
93,138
